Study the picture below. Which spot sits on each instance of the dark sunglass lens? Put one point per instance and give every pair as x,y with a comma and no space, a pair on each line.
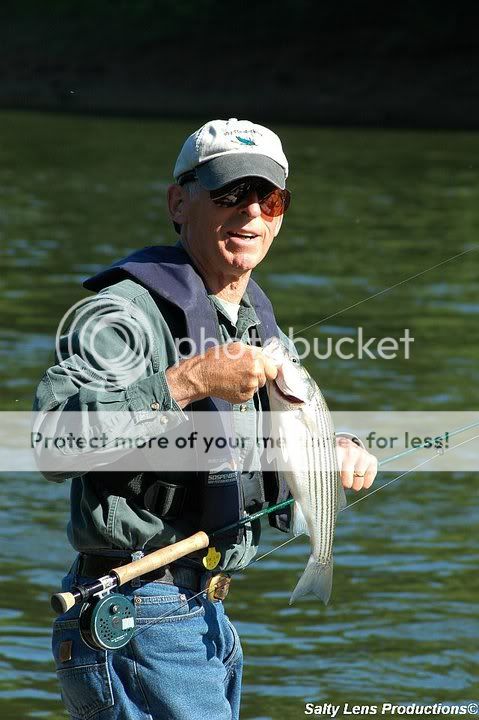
273,201
230,195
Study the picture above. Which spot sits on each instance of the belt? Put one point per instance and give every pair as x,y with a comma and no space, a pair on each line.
196,579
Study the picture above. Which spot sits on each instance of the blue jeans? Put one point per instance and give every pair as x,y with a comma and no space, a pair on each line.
185,666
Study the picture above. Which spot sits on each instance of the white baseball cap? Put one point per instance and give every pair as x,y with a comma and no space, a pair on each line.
222,151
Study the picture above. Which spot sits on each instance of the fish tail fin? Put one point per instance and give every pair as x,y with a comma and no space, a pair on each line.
317,579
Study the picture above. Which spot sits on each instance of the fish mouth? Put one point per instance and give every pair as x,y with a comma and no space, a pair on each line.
288,398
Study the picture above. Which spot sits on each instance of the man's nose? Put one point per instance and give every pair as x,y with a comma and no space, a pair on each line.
250,205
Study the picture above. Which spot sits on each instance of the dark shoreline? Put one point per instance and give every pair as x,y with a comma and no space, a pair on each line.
345,66
424,106
349,123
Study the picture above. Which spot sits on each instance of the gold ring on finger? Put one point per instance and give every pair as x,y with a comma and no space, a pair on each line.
356,474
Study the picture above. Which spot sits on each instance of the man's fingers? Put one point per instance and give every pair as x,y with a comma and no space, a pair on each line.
347,471
261,379
358,467
347,457
359,474
371,472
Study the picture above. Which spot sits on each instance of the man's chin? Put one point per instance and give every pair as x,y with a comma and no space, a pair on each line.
243,255
244,260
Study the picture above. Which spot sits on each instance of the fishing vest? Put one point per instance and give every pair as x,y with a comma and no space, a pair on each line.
168,274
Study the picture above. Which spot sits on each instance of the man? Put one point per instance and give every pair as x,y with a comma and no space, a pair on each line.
185,661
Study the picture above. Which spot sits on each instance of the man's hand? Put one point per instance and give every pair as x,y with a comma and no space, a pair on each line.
233,372
353,459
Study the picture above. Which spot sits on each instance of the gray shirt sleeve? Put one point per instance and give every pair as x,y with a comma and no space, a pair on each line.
109,379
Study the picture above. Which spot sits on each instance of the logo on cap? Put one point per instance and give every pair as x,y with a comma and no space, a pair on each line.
245,141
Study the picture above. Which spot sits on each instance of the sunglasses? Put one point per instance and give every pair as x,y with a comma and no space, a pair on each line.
272,200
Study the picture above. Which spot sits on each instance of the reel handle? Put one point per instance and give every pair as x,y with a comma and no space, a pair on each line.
63,601
159,558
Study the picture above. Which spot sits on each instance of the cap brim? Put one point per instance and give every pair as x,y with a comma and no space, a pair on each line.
224,169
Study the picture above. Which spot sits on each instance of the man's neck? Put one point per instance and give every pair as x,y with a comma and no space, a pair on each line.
233,291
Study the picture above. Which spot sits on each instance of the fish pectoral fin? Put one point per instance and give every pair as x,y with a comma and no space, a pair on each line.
309,420
278,452
283,445
317,579
271,453
299,526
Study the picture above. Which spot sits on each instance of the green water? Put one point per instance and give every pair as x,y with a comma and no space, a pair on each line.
370,209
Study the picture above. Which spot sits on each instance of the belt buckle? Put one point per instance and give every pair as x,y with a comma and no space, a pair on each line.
217,587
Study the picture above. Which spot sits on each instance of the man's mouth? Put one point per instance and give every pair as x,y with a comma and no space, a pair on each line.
238,235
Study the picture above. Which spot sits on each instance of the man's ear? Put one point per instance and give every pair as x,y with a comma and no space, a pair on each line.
176,204
278,226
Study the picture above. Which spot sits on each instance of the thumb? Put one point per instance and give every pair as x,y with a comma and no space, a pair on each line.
270,368
340,453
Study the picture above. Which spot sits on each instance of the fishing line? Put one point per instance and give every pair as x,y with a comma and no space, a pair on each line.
385,290
369,494
390,482
261,557
355,502
103,600
219,586
107,619
449,435
411,470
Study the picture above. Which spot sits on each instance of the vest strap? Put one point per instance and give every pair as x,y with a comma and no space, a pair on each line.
168,273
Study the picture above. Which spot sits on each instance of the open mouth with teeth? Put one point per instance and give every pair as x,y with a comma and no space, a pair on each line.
241,235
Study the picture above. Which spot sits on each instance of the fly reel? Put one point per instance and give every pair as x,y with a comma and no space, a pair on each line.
107,623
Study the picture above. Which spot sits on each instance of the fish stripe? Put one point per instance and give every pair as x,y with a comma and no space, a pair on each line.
309,429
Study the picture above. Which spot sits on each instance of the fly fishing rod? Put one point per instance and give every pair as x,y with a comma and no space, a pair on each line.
107,618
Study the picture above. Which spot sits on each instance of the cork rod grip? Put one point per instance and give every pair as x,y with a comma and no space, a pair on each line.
162,557
61,602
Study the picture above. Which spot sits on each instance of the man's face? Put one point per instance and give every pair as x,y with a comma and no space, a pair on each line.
226,240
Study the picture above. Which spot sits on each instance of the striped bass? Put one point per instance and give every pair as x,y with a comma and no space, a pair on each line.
308,462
